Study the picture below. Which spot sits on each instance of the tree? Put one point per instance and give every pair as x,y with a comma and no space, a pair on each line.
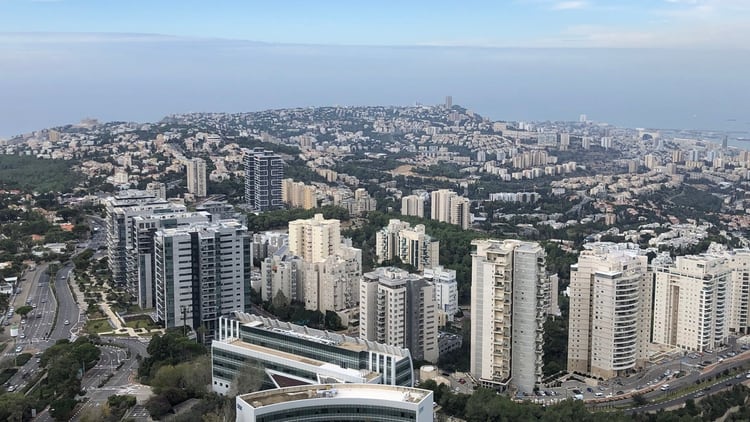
24,310
249,379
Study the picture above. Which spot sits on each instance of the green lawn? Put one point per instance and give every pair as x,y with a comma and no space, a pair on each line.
141,322
96,326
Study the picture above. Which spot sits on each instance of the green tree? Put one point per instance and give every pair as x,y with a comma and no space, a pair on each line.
24,310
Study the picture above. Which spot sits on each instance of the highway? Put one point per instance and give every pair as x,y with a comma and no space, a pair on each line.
35,326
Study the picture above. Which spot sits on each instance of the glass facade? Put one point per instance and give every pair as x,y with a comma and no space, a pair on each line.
340,413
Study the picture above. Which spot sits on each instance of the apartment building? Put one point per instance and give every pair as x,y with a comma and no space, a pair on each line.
610,310
264,172
202,272
509,300
691,301
410,245
196,177
446,292
449,207
412,205
398,308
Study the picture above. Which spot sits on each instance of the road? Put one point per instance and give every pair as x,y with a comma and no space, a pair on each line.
113,353
35,326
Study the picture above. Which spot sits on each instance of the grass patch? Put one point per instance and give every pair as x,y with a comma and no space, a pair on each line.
141,322
96,326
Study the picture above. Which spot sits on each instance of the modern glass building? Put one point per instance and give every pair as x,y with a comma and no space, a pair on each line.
290,355
337,402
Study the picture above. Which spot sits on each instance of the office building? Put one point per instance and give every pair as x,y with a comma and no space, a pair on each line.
446,292
410,245
289,354
202,272
196,177
448,207
691,301
610,310
398,308
141,251
337,402
264,172
509,300
120,209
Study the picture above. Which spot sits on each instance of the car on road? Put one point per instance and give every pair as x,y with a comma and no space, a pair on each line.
699,394
22,335
66,322
44,300
664,387
11,389
18,349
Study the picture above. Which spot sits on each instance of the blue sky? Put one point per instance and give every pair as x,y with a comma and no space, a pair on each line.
509,23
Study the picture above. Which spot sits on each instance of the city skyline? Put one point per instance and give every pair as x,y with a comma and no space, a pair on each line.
664,64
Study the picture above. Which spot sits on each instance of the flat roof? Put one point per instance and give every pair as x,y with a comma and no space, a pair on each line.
318,336
364,373
322,391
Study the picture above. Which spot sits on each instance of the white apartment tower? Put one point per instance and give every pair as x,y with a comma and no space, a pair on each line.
509,300
448,207
141,249
314,239
331,268
446,291
398,309
121,208
411,245
739,292
202,272
691,301
196,177
610,310
412,205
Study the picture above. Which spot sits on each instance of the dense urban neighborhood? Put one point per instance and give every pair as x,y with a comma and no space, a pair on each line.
422,263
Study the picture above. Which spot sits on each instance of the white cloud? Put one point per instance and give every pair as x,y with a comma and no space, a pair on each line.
570,5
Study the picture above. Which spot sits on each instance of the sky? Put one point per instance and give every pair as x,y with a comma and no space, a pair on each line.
669,63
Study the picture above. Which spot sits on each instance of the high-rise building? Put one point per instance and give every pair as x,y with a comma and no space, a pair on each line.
298,194
337,402
314,239
446,291
121,208
398,308
411,245
264,172
331,267
288,354
691,301
196,177
141,250
448,101
281,272
739,292
202,272
448,207
509,300
610,310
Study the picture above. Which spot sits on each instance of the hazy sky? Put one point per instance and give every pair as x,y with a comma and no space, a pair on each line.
676,63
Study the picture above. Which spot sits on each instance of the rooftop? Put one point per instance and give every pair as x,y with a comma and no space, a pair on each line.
318,336
350,391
